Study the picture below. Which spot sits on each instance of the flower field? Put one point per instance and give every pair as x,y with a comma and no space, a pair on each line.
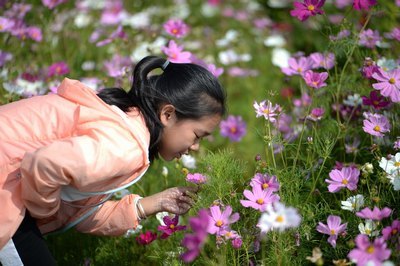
304,169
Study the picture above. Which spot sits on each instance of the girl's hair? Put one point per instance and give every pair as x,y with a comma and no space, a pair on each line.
190,88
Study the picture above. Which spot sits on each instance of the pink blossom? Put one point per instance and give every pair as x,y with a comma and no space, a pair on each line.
214,70
170,227
175,53
369,38
391,231
266,109
236,243
233,128
116,67
333,228
118,33
369,68
347,177
376,214
388,83
242,72
176,28
220,221
326,61
6,24
306,9
394,34
341,35
363,4
314,79
298,67
316,114
53,3
57,69
146,238
34,33
258,198
113,12
376,125
196,178
4,57
375,100
367,251
265,181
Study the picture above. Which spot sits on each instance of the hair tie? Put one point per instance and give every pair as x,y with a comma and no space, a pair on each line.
164,66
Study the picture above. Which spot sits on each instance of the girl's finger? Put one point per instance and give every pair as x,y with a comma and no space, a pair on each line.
187,200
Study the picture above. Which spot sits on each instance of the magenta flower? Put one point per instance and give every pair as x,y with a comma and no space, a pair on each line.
170,227
326,61
6,24
175,53
388,84
265,181
333,228
220,221
214,70
376,214
392,231
315,79
196,178
369,38
298,67
34,33
195,241
146,238
369,68
366,251
258,198
117,66
266,109
363,4
176,28
316,114
233,128
52,3
375,100
236,243
113,12
57,69
394,34
347,177
376,125
306,9
118,33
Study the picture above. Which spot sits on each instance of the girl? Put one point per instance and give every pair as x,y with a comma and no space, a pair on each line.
62,156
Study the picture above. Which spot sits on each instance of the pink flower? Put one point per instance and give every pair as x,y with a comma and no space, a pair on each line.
176,27
175,53
214,70
6,24
366,251
363,4
170,227
258,198
391,231
326,61
347,177
388,84
57,69
118,33
146,238
233,127
266,109
236,243
117,66
333,228
196,178
314,79
369,38
52,3
265,181
376,125
316,114
298,67
376,214
375,100
194,242
34,33
220,221
306,9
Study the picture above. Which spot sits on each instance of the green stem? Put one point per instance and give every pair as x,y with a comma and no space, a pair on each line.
271,144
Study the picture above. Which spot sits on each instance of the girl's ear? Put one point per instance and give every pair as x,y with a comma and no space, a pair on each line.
167,115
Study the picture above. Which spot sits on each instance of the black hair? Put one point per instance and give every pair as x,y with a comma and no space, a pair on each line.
193,91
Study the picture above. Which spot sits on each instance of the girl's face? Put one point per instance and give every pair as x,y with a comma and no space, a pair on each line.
180,137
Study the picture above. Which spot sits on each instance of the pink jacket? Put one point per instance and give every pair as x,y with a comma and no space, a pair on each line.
61,157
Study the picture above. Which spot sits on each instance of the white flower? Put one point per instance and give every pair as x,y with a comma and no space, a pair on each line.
392,166
280,57
160,216
367,168
140,20
386,64
278,3
208,10
353,100
396,182
164,171
228,57
278,217
368,228
188,161
82,20
275,40
353,203
230,36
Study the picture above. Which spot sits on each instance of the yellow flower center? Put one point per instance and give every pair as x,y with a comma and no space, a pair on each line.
333,232
233,129
299,69
266,111
345,182
265,186
375,102
397,164
1,27
314,83
260,201
310,8
171,226
370,249
367,231
219,223
228,234
279,219
392,81
394,231
175,31
377,128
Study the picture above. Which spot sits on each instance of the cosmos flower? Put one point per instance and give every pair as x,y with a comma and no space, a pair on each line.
353,203
306,9
314,79
376,214
170,227
278,217
233,128
388,84
366,251
266,109
176,28
347,177
175,53
220,221
258,198
376,125
333,228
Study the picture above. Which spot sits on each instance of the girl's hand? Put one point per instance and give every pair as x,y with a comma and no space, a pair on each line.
177,200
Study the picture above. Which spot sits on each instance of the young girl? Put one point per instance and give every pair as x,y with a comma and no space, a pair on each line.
62,156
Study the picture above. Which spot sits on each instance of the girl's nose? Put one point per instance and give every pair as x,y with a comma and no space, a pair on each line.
195,147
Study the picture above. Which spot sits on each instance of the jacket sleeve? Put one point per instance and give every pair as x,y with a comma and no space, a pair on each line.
113,218
88,162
